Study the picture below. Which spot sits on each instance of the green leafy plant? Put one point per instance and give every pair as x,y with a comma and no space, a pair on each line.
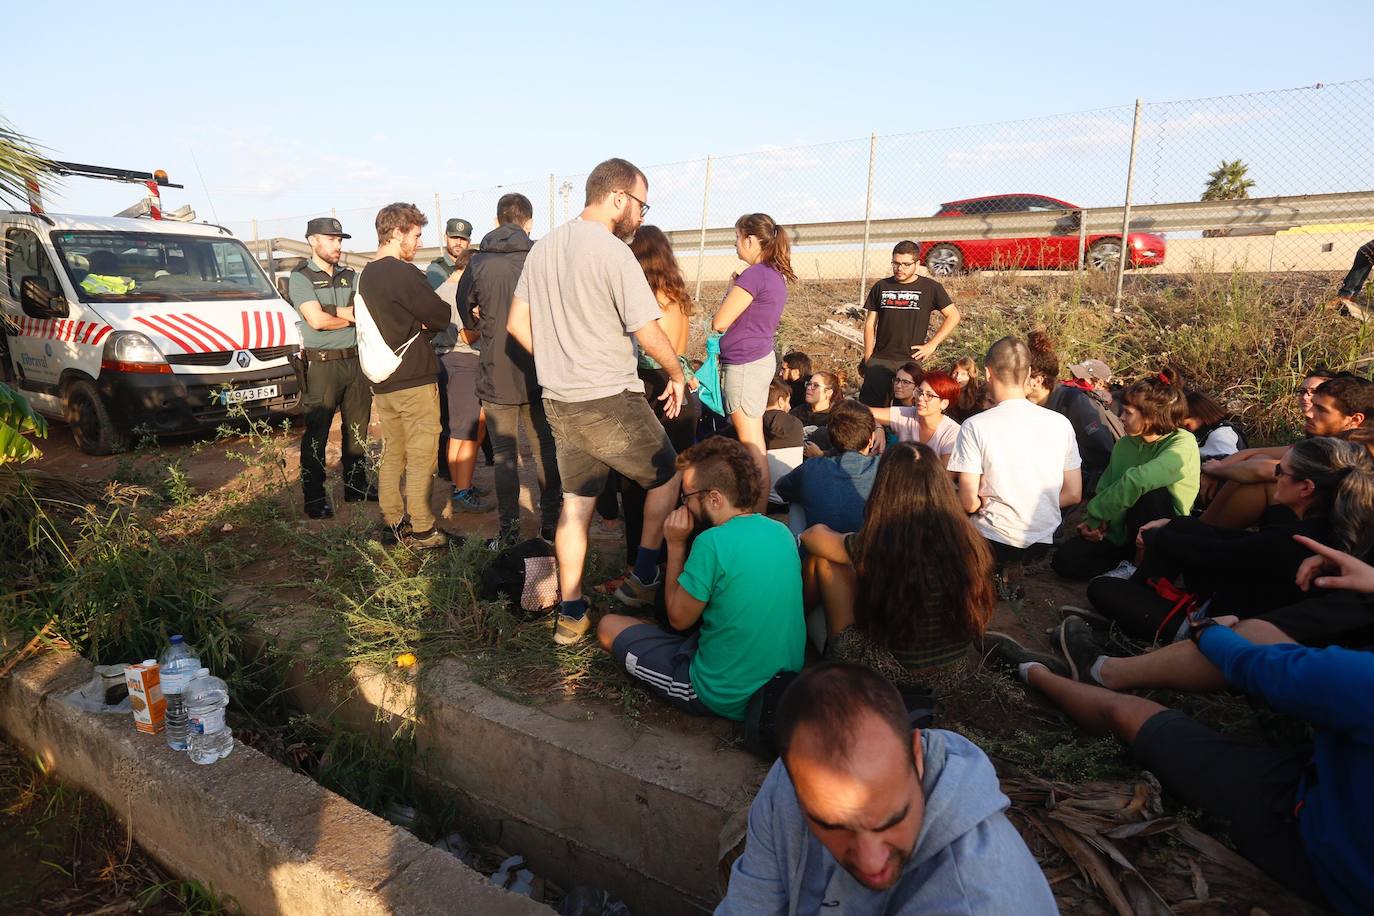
17,421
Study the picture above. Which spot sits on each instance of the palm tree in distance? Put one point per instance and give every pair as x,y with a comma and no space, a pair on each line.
1227,182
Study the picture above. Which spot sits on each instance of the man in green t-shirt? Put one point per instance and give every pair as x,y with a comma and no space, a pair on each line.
741,583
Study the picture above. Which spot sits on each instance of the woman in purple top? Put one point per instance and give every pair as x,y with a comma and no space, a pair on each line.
748,320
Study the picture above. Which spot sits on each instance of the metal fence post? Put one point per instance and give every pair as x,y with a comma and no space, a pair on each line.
438,218
868,214
1082,239
1126,212
705,211
551,201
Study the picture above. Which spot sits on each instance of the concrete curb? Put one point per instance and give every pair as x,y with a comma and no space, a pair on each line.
586,798
247,826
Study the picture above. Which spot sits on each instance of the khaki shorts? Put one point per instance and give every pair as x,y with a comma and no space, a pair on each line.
617,433
745,386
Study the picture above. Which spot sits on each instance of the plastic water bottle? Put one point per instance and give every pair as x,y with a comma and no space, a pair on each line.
210,737
177,665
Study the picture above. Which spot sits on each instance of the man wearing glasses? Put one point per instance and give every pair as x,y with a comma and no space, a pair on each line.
898,320
580,306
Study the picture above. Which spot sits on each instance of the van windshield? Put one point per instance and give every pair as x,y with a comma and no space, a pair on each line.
148,267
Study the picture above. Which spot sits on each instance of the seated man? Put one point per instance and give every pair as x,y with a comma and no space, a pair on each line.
1242,486
865,816
831,490
796,372
742,581
1017,463
1301,814
783,437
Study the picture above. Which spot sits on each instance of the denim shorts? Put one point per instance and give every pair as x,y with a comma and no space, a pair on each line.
617,433
745,386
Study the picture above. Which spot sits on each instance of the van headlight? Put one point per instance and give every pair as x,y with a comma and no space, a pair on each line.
132,347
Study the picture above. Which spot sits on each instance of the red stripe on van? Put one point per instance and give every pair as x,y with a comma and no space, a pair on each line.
219,336
203,342
149,322
100,335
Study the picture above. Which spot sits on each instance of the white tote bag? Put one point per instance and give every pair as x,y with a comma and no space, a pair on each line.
378,360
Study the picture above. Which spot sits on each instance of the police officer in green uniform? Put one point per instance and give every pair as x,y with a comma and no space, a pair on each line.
457,236
322,293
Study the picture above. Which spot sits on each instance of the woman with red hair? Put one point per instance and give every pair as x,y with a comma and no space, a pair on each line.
925,422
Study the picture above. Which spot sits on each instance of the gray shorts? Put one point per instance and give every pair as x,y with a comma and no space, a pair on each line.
459,409
745,386
617,433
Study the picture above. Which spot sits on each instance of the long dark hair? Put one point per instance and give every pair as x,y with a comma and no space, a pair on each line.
1343,476
777,251
917,553
655,255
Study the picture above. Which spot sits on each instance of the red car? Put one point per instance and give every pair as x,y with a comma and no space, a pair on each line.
1058,251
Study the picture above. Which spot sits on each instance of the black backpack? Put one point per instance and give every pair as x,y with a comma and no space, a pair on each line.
526,574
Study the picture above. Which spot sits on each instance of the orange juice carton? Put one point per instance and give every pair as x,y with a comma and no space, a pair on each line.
145,696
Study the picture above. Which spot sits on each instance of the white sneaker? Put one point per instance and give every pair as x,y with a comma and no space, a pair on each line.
1124,570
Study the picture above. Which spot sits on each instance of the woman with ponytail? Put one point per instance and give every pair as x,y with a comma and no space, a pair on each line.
1324,490
748,320
1153,474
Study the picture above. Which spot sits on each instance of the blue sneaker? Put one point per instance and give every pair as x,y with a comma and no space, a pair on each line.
468,501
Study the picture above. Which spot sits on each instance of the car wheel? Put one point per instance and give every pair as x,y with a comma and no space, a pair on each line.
1104,254
95,431
945,260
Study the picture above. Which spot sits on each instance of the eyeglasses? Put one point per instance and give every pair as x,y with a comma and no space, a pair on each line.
903,382
816,385
923,395
643,207
1304,393
1280,472
903,263
688,494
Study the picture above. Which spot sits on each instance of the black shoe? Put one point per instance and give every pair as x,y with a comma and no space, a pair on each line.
1080,647
1005,652
319,508
390,537
355,496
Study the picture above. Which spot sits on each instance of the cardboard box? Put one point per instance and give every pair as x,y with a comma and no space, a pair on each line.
145,696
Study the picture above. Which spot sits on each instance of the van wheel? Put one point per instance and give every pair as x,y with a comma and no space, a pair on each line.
94,430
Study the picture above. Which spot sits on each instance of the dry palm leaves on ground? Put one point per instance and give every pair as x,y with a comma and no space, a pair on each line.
1111,841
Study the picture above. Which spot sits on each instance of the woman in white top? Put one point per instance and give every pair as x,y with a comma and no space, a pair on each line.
926,422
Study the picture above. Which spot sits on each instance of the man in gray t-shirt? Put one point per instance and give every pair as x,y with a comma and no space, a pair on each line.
581,298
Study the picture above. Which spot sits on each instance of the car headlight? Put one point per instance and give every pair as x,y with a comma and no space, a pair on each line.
132,347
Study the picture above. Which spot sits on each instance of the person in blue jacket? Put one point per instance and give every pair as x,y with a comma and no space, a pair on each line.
1301,814
862,815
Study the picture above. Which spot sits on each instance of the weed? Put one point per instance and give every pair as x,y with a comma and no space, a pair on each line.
177,485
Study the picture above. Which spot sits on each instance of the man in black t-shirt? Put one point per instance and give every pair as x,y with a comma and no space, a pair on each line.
898,320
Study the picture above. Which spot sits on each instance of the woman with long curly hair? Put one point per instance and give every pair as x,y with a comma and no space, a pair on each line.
655,255
912,588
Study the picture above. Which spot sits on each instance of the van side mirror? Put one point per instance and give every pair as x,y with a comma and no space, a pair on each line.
38,301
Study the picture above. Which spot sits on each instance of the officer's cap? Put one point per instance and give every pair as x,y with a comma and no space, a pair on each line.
326,225
458,228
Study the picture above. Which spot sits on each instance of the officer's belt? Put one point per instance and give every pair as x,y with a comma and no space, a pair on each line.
324,356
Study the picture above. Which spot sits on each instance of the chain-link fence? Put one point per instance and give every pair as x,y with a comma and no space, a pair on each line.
1270,181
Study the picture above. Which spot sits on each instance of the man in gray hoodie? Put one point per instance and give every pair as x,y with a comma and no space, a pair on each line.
862,815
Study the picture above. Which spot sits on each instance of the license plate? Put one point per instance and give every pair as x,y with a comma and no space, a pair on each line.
239,395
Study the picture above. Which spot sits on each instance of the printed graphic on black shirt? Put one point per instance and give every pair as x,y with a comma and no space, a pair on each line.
904,311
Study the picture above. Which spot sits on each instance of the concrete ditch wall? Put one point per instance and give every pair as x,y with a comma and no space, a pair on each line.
246,826
582,794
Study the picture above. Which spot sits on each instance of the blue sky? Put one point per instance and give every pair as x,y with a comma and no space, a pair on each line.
291,110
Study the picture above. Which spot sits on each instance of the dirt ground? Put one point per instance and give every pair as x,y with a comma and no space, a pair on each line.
1044,764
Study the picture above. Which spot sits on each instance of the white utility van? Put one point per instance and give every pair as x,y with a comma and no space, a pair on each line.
118,324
